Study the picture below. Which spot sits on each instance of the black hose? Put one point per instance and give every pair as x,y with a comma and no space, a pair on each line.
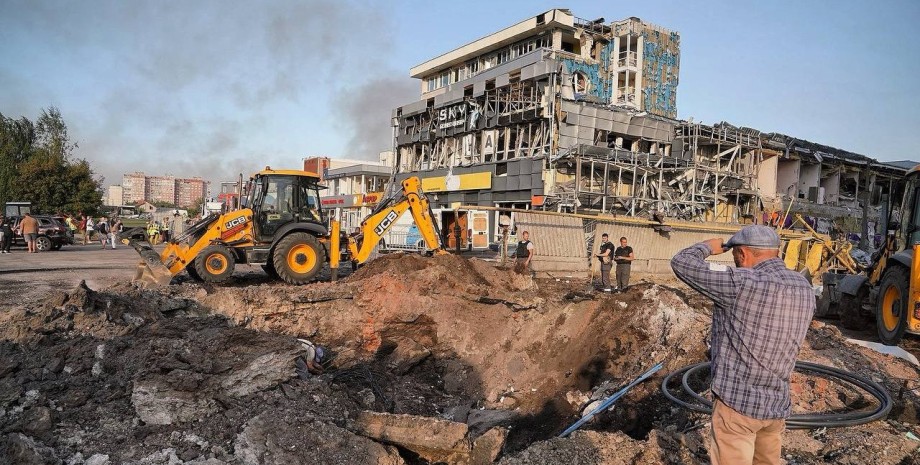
798,421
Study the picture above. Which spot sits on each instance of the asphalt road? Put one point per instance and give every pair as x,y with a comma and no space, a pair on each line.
32,276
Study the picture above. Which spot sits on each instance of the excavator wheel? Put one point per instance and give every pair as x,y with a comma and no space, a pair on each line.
270,270
850,310
298,258
192,273
215,264
891,309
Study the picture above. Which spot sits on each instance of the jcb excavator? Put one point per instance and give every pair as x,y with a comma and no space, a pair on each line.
283,229
891,286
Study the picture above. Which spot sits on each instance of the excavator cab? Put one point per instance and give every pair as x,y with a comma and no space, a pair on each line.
278,199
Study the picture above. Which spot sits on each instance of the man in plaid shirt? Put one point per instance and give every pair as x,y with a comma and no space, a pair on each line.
762,312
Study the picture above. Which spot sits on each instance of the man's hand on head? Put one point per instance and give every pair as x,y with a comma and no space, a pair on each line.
715,245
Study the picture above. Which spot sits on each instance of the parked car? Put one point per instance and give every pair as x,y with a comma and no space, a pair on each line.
53,233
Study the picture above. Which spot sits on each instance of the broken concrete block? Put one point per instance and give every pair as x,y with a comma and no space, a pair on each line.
23,450
487,447
37,420
157,405
433,439
266,371
97,459
266,440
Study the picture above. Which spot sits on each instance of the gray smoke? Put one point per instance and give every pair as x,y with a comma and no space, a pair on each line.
367,113
249,62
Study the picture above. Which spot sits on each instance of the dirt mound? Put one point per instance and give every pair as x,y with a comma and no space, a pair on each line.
205,374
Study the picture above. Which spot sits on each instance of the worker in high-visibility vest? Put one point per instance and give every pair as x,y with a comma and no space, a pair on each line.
153,232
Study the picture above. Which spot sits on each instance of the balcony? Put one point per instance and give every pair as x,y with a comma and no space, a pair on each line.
628,60
626,95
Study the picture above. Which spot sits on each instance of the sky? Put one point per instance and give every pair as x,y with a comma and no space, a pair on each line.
216,88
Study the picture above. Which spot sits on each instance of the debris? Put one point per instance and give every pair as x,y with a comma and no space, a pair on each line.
894,351
433,439
207,374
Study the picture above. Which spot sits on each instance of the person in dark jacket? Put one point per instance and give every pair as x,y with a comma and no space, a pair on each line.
623,256
605,255
524,254
6,235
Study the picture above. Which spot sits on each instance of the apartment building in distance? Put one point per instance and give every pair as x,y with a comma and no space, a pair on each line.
181,192
114,196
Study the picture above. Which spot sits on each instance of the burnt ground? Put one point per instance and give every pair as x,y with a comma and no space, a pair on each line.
191,373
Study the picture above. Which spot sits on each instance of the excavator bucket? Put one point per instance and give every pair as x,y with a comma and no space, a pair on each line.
150,271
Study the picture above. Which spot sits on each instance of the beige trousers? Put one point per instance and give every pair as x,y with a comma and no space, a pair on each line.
736,439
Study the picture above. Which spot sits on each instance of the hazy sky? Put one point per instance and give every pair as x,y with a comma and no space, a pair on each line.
215,88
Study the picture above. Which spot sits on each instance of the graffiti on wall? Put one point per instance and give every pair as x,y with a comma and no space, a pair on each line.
661,62
599,85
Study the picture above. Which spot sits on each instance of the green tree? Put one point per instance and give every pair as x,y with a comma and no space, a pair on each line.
16,139
37,165
163,204
194,209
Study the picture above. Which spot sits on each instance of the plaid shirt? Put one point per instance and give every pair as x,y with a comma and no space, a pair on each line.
760,318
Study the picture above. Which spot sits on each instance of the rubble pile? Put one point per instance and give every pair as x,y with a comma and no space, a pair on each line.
429,360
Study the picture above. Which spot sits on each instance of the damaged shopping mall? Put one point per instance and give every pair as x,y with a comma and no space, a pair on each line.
572,115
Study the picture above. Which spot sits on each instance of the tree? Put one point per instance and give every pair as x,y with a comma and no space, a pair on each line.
163,204
194,209
37,165
16,139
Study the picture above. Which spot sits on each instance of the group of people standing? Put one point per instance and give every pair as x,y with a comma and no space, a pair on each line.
623,256
106,231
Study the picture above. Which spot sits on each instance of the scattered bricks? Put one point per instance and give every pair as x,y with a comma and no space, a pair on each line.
433,439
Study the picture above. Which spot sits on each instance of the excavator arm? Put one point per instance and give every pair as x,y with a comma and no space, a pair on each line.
375,226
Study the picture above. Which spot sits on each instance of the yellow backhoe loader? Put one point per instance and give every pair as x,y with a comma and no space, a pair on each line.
282,228
890,287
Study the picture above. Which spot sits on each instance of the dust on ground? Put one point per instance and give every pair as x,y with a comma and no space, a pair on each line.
440,359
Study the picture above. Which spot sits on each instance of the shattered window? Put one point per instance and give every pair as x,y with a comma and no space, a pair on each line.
581,83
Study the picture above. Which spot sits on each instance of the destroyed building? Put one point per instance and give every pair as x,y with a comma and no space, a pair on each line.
494,113
565,114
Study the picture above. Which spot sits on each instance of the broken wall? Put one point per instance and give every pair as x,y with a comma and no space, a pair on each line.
661,66
787,178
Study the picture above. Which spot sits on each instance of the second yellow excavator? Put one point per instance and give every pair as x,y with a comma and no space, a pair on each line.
282,228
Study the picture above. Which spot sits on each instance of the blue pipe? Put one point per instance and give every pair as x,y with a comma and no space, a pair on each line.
610,400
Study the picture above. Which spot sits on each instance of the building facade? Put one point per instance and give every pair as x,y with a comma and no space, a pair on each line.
114,196
134,187
181,192
190,192
499,120
565,114
353,187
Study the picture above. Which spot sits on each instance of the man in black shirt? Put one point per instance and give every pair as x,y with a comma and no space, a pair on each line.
624,257
606,255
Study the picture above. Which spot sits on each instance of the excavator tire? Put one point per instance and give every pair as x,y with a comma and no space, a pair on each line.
215,264
850,310
891,308
298,258
270,270
192,273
